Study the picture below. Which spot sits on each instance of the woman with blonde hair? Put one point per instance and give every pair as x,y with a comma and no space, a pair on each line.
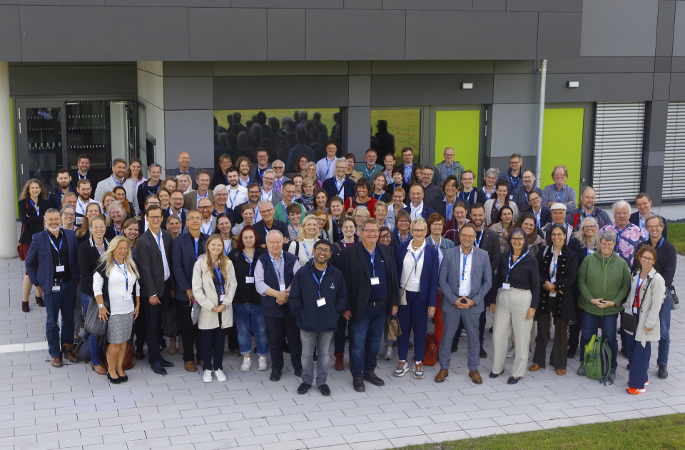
114,285
303,247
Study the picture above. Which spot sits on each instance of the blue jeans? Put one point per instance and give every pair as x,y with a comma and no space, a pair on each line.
339,335
310,342
365,339
95,356
58,302
589,324
248,316
665,324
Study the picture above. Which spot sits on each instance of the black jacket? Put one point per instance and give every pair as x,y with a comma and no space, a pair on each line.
666,259
304,294
143,193
564,304
355,268
88,256
490,243
246,292
89,176
31,222
261,230
55,197
150,264
183,261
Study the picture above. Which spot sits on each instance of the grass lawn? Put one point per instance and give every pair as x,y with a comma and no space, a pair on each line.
405,125
676,235
661,432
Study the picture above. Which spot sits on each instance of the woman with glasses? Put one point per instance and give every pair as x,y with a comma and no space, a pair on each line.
401,233
436,227
385,236
360,214
542,213
322,223
337,207
518,281
418,270
381,212
307,197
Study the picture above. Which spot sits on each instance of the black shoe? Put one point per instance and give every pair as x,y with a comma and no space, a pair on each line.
494,375
513,380
373,379
304,387
298,373
455,348
358,383
275,376
571,353
325,390
113,380
166,363
158,369
124,379
663,371
483,353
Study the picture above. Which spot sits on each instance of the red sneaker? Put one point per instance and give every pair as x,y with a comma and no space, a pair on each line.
633,391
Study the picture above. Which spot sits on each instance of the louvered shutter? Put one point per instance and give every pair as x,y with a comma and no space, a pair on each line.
617,162
674,159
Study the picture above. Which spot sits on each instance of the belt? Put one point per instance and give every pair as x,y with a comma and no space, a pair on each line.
63,280
377,303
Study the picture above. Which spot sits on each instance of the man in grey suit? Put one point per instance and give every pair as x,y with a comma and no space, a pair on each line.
465,279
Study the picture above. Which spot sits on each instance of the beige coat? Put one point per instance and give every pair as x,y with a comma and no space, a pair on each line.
651,300
205,294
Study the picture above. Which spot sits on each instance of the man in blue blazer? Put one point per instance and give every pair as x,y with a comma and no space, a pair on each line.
339,185
465,279
408,165
185,250
416,206
52,264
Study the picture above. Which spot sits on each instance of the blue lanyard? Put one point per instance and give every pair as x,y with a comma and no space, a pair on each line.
234,197
155,191
319,281
511,266
449,172
339,186
555,261
490,194
482,233
208,229
338,227
328,167
660,243
36,207
537,216
277,267
268,197
124,272
249,264
98,248
449,207
366,169
416,260
293,228
464,259
407,173
221,280
636,301
117,182
228,249
374,196
81,177
514,183
304,246
59,257
559,197
196,250
618,236
400,237
117,233
159,242
467,199
373,264
497,205
260,173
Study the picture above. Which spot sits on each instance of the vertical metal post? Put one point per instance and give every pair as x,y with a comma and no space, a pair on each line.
541,121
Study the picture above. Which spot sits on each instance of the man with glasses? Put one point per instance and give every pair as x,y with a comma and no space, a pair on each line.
318,297
446,168
280,213
176,207
143,225
372,293
326,167
558,218
262,165
370,168
208,225
339,185
254,193
513,174
268,191
465,279
153,252
520,195
268,223
432,194
279,168
587,208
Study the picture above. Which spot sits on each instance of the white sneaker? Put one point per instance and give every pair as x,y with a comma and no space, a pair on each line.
207,376
219,375
262,363
511,352
245,366
388,352
402,369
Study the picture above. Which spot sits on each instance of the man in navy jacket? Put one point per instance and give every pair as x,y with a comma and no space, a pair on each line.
339,185
416,206
318,298
52,264
185,250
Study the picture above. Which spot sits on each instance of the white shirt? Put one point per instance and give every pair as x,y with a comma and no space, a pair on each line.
415,211
465,272
408,272
306,245
236,196
120,299
340,183
206,227
159,240
325,168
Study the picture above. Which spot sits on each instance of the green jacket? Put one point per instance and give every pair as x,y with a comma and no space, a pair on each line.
607,278
279,213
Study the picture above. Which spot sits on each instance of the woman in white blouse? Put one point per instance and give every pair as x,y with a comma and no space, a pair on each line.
303,248
114,285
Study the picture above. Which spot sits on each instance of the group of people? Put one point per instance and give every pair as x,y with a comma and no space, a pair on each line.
328,252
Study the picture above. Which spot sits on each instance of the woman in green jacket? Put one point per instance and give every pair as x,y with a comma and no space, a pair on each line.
603,282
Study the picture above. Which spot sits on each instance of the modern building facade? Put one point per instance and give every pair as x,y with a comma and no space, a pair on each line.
124,78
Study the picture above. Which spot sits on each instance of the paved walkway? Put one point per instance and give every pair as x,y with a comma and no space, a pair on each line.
72,407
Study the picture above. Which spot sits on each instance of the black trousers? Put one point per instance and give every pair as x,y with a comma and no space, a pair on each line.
189,332
153,322
277,328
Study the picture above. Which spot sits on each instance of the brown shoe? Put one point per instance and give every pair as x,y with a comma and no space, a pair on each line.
534,368
561,372
25,307
190,366
40,302
68,350
99,369
442,374
339,362
475,376
172,346
56,361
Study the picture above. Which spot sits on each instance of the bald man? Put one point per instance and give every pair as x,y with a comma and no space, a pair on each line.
184,167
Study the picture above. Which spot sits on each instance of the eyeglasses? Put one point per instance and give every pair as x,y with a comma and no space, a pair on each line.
371,231
470,236
647,258
151,218
589,227
517,239
278,168
267,210
325,251
419,230
204,207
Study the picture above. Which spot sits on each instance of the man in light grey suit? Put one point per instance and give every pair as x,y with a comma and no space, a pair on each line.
465,279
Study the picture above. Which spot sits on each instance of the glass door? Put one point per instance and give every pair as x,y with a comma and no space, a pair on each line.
88,132
41,132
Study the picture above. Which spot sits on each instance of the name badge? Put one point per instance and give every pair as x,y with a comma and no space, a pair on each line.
320,302
249,280
415,280
281,287
221,299
59,269
56,288
506,285
375,281
128,298
511,197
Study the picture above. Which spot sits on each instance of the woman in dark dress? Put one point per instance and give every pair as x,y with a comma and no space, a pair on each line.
33,202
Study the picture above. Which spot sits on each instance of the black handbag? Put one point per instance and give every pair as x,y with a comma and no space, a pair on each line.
675,303
629,322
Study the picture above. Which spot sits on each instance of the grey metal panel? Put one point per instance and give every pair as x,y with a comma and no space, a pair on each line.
677,86
84,2
662,86
545,5
31,2
360,90
679,30
192,132
104,34
287,4
489,5
513,130
269,92
430,67
357,118
364,4
280,68
72,80
662,64
619,27
471,35
516,66
677,64
10,34
653,183
593,64
665,28
414,90
355,34
286,34
171,3
429,5
656,120
614,87
188,93
359,67
523,88
188,69
227,34
559,35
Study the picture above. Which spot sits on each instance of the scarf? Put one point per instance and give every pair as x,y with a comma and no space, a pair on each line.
416,212
308,202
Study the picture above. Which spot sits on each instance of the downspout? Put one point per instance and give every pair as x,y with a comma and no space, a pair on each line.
541,121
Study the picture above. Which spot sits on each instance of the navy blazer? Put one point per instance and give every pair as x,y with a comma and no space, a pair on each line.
635,220
40,255
332,191
545,215
430,273
183,261
425,212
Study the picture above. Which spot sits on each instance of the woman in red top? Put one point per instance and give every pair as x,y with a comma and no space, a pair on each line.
363,190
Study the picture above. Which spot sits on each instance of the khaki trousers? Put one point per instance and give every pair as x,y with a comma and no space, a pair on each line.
510,316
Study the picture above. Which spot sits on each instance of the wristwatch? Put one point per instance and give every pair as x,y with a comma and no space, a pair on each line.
101,306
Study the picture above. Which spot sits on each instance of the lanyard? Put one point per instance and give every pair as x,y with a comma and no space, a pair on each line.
407,173
269,196
155,190
555,260
416,260
488,195
244,183
497,204
449,207
208,227
80,205
249,264
196,245
514,181
260,173
234,197
328,167
468,198
277,267
294,230
618,236
226,178
449,172
36,207
58,250
159,243
221,280
319,281
402,241
660,243
124,271
116,181
373,264
345,244
104,249
81,177
478,239
339,185
511,266
636,301
537,216
338,227
228,249
464,259
559,197
374,196
366,169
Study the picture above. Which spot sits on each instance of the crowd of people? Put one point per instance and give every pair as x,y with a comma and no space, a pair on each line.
330,251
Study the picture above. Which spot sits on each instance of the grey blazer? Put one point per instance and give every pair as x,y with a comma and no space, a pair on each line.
450,277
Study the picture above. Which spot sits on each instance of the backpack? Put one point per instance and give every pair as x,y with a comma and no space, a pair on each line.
82,350
597,359
432,347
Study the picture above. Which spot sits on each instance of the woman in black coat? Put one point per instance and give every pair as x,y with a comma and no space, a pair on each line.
558,268
33,202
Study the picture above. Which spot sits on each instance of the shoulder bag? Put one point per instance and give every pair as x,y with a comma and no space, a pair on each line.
629,321
93,324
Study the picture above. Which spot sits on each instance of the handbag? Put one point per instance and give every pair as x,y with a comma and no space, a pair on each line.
392,328
195,312
93,324
629,322
675,303
432,348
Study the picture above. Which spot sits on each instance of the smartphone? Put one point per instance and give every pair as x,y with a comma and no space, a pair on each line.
464,301
78,221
